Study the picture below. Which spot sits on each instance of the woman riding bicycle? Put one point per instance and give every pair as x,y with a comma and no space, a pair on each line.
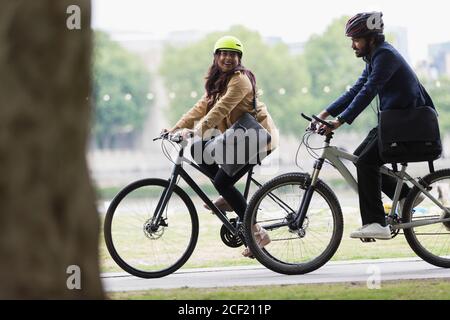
230,93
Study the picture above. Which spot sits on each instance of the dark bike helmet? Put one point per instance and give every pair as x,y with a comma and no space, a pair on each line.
364,24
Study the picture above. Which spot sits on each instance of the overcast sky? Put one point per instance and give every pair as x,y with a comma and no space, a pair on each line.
293,20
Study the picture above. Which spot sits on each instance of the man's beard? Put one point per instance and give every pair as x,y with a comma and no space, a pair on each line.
363,52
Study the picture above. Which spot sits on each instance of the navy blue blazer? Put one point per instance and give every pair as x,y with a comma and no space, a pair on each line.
388,75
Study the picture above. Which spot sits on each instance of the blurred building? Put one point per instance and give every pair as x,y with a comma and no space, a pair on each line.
439,55
273,40
183,38
296,48
400,41
425,70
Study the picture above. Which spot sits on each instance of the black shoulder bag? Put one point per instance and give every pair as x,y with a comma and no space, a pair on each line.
243,143
409,135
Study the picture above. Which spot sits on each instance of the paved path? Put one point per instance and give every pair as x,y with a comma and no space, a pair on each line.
333,272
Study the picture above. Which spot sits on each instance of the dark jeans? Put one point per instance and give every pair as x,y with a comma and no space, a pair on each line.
223,182
371,182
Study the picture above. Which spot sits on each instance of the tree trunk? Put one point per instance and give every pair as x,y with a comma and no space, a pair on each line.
49,225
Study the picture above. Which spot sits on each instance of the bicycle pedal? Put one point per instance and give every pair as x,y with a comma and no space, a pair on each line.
367,240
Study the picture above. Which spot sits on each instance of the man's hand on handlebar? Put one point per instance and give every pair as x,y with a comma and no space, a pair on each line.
325,130
321,126
315,124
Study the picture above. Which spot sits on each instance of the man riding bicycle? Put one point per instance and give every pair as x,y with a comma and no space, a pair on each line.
389,76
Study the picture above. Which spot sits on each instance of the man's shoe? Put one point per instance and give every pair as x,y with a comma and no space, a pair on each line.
418,201
373,230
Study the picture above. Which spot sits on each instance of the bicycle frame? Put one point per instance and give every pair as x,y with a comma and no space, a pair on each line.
334,156
178,171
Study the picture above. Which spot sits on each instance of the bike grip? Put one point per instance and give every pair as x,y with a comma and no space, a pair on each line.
323,122
162,135
306,117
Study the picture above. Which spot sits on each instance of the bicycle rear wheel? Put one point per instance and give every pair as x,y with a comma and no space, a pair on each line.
301,251
141,250
430,242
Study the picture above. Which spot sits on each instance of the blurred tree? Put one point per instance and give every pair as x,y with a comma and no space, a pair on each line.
49,224
440,93
118,73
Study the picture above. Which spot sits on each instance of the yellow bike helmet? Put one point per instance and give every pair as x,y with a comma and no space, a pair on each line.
229,43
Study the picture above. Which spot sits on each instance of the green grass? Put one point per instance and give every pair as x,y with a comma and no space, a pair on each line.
392,290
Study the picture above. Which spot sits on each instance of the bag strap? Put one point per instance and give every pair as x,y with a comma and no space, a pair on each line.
425,95
254,98
258,160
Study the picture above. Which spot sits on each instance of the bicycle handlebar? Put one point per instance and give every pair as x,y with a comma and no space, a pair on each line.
175,137
169,136
318,120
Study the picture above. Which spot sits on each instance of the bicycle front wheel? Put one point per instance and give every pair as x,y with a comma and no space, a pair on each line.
144,250
430,242
290,251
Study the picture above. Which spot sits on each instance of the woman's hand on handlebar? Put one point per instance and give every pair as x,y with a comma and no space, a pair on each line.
167,133
171,131
183,134
187,133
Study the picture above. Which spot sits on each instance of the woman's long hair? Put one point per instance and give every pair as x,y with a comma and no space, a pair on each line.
217,81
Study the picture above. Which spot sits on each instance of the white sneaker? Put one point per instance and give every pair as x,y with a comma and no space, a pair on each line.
418,201
373,230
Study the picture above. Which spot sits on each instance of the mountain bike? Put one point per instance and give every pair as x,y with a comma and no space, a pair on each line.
304,219
151,226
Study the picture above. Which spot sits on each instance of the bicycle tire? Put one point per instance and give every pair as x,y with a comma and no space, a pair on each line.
276,264
416,244
112,243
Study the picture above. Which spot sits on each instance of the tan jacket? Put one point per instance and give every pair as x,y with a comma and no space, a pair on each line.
237,100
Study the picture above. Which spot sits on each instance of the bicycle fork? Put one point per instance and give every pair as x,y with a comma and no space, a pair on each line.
306,201
164,199
310,185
